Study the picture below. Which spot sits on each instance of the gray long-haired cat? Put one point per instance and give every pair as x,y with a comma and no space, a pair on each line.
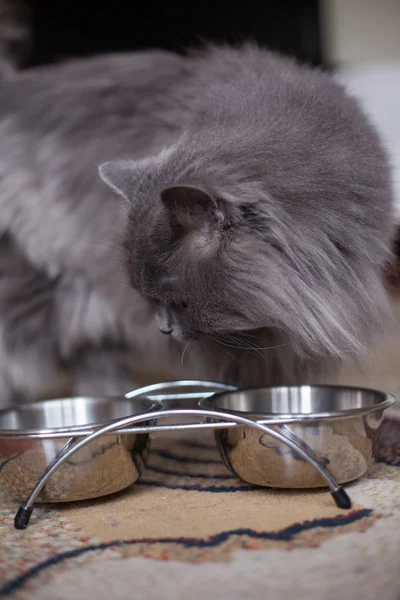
255,217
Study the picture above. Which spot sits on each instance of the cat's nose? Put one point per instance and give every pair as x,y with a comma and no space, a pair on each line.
166,329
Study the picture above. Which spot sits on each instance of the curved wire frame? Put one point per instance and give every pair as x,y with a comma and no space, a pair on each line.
25,511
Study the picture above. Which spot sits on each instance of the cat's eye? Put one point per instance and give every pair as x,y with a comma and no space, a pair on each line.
182,303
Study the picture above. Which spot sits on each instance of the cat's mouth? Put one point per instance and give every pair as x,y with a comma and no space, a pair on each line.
251,337
178,335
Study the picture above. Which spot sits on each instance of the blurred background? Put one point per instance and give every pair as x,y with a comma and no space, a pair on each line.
358,40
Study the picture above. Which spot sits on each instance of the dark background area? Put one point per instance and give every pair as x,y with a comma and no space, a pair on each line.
65,29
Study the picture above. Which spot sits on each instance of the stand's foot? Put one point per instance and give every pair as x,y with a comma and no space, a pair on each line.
341,498
22,517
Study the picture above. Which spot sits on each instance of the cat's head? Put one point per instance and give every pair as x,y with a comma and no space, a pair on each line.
237,239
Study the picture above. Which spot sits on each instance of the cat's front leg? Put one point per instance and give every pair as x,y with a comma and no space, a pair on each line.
29,362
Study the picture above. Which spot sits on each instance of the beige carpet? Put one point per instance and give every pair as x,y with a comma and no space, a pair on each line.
188,530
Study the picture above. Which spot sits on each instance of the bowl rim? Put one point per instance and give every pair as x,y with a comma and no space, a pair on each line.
387,401
71,430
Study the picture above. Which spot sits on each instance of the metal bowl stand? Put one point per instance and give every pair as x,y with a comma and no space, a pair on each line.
130,425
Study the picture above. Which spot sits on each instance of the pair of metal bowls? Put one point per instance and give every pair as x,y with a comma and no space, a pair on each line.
338,427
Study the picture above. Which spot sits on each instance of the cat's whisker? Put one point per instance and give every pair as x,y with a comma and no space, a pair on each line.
273,347
249,346
252,348
247,334
236,346
226,351
185,348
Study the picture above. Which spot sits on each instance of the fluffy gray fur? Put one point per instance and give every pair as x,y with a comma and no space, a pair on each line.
255,217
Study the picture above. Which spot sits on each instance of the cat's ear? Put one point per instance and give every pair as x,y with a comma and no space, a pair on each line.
120,176
194,208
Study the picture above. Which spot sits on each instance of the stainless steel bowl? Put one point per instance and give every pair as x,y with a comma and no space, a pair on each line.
340,426
32,435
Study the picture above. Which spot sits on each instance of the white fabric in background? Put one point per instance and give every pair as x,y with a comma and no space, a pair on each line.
377,86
